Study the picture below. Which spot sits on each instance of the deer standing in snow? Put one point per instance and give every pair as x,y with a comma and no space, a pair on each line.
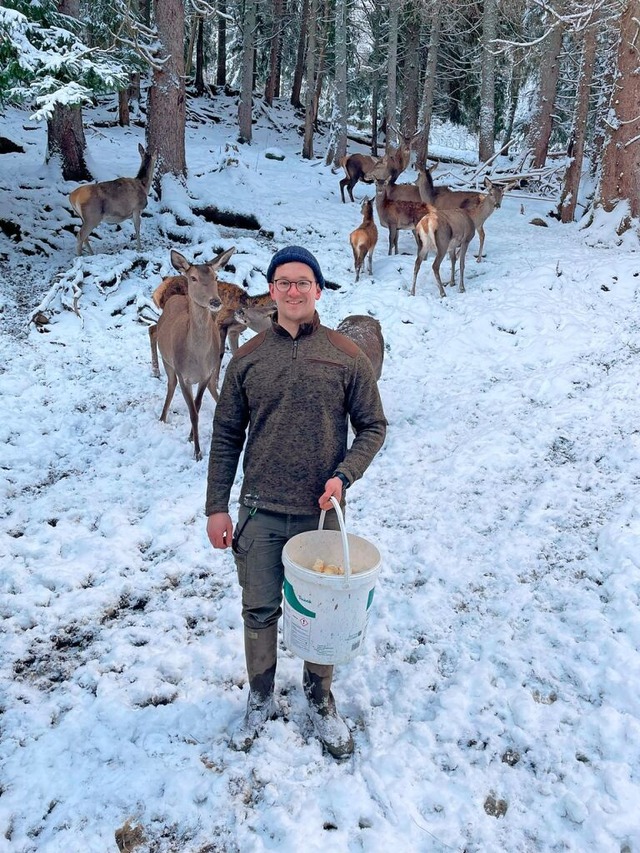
363,240
188,338
113,201
444,232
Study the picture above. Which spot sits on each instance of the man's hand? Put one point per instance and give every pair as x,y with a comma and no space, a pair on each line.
332,488
220,529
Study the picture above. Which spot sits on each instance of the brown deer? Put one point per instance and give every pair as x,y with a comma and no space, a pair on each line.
396,160
188,338
366,332
363,240
444,232
230,322
396,214
113,201
478,205
357,167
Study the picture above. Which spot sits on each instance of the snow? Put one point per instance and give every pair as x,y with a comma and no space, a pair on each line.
495,705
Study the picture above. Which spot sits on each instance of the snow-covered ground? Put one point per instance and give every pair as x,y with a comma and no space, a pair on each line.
496,704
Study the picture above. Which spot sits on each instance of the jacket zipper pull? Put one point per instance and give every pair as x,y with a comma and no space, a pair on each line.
295,349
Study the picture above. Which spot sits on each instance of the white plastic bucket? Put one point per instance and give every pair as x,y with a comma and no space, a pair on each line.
326,616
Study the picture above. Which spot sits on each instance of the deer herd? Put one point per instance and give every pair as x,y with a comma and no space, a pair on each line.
200,312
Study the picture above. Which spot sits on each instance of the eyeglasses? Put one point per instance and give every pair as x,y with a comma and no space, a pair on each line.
283,285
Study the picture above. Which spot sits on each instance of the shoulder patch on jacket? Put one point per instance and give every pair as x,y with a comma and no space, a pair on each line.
343,343
251,344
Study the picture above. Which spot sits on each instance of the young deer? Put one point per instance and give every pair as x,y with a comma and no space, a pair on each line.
444,232
478,205
366,332
113,201
188,338
363,240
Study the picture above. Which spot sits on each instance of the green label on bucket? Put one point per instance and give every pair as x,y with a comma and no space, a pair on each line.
292,600
370,599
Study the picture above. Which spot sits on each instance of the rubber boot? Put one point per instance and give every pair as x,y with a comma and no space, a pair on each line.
261,653
329,726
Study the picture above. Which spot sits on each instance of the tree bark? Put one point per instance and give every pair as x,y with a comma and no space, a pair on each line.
66,140
200,58
340,115
166,113
272,89
428,91
543,118
65,130
298,74
569,196
307,144
486,137
392,75
411,69
621,166
245,107
221,63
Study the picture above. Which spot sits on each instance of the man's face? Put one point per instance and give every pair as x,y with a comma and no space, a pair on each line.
294,306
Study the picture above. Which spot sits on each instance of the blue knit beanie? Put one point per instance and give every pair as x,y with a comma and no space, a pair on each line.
293,254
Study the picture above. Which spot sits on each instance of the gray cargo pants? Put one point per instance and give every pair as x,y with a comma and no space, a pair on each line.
257,548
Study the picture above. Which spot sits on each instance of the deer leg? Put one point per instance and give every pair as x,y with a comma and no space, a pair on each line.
371,260
83,237
343,184
234,337
422,253
193,414
136,227
172,381
481,238
153,341
463,255
452,258
436,271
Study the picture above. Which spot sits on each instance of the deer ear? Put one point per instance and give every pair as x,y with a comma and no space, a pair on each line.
141,150
179,261
487,183
222,258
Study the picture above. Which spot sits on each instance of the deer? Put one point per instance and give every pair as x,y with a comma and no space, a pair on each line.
363,240
366,332
188,338
239,311
396,160
444,232
357,167
113,201
478,205
396,214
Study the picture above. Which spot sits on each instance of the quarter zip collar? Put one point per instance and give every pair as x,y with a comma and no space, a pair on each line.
303,329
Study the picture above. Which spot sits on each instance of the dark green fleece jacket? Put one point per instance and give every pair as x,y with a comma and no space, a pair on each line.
296,398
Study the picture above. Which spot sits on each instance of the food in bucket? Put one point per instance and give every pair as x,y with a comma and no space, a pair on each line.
326,568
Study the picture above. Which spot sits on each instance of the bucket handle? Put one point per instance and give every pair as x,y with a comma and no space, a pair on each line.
345,541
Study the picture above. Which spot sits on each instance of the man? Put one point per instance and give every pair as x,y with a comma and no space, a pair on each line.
295,387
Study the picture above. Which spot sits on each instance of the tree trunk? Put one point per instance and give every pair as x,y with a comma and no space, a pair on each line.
515,82
307,144
486,137
543,117
245,107
65,139
272,89
221,64
123,108
392,74
621,166
411,69
166,112
569,197
340,116
65,131
428,92
298,74
199,81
